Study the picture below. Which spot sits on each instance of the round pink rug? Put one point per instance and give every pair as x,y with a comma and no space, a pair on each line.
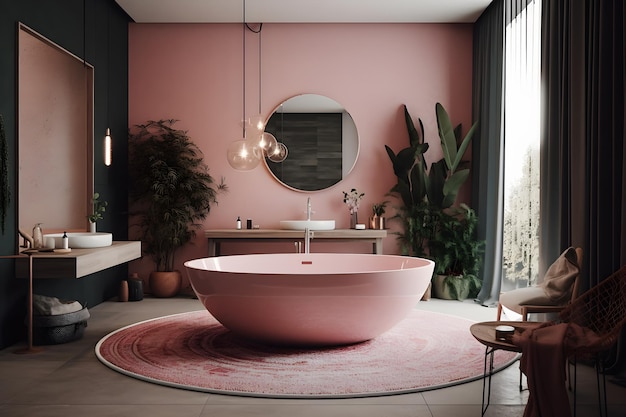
193,351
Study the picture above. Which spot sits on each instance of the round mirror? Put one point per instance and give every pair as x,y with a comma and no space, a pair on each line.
319,139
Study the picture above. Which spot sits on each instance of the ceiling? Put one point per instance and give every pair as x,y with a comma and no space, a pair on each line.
304,11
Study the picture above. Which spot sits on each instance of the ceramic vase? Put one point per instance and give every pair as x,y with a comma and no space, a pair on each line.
377,222
92,227
123,296
353,220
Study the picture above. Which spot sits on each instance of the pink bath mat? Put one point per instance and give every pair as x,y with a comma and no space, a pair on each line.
193,351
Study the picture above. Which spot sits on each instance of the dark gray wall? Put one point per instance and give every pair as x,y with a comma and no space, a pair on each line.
96,30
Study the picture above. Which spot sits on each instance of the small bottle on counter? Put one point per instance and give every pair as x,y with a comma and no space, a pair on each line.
238,223
37,237
249,224
66,241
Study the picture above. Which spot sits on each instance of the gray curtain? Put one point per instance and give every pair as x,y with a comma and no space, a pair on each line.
583,159
487,149
583,156
583,180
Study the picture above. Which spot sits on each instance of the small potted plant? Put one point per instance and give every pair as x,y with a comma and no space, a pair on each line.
377,221
99,207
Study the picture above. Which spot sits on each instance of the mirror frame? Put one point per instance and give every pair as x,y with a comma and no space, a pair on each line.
325,107
55,120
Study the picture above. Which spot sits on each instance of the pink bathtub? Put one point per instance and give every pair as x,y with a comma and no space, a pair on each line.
309,299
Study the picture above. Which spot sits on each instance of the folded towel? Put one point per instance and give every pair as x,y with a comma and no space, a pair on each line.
52,306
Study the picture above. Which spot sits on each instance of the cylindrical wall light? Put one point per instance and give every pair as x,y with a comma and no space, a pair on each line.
107,148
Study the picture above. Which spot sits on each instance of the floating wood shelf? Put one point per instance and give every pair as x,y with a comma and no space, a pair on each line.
79,262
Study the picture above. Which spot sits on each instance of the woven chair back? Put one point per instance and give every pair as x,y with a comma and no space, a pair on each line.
601,309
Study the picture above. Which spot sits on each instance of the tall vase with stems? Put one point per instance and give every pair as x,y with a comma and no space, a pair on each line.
352,199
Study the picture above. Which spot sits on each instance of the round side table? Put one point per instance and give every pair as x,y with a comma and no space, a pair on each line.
485,333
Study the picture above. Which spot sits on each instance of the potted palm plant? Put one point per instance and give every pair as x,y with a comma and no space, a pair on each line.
427,212
171,193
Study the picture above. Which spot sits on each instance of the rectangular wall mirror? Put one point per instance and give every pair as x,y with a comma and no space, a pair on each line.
55,135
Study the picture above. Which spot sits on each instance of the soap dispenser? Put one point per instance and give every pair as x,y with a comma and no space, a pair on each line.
37,236
66,241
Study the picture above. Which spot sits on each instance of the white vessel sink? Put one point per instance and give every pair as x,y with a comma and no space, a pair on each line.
310,224
82,240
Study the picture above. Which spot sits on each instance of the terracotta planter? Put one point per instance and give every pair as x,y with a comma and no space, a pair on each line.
165,284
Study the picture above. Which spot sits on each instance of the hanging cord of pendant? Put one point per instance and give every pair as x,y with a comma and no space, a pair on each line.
258,30
243,120
246,26
108,62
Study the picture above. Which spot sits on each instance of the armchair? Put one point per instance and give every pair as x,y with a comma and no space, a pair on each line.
559,288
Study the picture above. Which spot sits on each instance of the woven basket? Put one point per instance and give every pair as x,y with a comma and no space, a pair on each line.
59,328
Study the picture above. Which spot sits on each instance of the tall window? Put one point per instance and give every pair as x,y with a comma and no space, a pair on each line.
521,146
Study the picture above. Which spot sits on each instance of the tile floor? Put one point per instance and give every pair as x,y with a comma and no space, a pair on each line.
68,379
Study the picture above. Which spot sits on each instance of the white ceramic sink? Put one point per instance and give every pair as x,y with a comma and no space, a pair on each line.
311,224
82,240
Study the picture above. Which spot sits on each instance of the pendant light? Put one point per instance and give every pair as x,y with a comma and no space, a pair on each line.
280,152
265,141
108,151
243,154
108,148
258,122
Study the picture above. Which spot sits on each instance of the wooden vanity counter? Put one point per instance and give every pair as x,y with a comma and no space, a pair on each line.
79,262
218,236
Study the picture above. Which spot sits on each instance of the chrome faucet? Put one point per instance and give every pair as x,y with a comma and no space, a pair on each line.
308,208
308,235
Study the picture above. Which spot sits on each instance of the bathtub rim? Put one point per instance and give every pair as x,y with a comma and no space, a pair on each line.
424,263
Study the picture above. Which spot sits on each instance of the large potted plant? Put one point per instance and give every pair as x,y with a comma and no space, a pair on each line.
427,212
171,193
457,254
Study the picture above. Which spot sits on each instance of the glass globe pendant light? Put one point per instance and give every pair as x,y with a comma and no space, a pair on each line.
257,122
243,154
267,143
279,154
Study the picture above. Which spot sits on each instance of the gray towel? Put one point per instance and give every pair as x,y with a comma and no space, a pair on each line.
52,306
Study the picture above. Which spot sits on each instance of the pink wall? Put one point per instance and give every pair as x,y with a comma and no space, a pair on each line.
193,72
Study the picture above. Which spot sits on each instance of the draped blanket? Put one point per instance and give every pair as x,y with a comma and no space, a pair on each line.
545,349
